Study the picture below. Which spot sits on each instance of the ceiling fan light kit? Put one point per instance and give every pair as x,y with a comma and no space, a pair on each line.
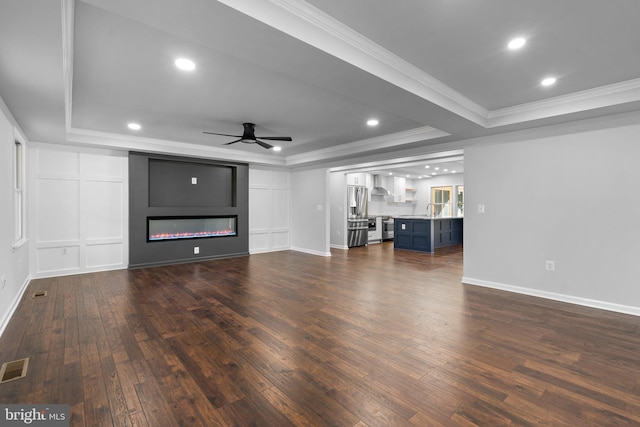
249,137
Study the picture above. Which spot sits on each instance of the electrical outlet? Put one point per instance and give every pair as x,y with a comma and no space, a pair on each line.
481,209
196,250
550,265
3,281
64,251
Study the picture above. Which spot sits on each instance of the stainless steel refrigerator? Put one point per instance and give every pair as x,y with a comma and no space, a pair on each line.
357,216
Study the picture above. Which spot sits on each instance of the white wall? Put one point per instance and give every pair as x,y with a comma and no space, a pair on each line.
309,216
338,216
572,198
269,210
79,220
14,262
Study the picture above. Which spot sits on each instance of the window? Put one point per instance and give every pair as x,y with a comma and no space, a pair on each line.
18,195
441,201
460,200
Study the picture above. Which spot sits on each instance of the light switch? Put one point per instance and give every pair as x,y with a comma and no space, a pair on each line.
194,180
481,209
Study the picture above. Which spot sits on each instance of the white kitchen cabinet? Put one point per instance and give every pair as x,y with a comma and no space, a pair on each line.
363,179
399,189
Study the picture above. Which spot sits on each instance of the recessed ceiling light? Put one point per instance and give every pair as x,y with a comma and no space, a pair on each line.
390,173
372,122
453,171
277,148
134,126
548,81
446,170
427,167
517,43
437,169
434,174
185,64
408,176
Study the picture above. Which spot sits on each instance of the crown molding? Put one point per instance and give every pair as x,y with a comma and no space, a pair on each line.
402,161
384,141
600,97
97,139
311,25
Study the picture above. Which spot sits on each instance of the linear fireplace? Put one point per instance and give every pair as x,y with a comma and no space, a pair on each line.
178,228
184,209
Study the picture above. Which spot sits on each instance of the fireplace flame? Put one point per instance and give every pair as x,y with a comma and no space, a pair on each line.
192,235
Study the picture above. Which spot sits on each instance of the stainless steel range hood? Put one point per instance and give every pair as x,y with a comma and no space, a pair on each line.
378,189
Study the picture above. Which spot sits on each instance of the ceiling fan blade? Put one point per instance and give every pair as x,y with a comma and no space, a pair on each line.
264,144
223,134
233,142
275,138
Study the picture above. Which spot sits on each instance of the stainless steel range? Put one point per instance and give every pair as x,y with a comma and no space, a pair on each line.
375,229
387,228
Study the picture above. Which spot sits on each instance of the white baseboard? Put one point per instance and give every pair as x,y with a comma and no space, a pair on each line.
14,305
603,305
339,247
312,252
265,251
74,271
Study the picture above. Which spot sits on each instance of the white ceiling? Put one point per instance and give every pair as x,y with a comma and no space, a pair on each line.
430,71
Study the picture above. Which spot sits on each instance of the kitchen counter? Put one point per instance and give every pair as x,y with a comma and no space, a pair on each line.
424,233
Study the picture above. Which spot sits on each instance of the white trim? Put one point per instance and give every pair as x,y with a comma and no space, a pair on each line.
68,14
115,141
405,161
602,305
311,252
20,196
397,139
311,25
341,247
74,271
14,306
268,250
599,97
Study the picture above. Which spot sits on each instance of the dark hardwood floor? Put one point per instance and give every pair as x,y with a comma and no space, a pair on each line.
367,337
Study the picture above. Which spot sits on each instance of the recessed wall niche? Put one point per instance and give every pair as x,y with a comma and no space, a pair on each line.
186,192
190,184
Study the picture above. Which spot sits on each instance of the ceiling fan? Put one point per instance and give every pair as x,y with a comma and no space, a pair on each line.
249,136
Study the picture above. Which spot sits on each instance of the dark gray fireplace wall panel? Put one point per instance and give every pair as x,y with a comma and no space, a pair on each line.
171,183
221,189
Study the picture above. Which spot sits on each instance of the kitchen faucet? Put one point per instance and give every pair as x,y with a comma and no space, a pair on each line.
430,210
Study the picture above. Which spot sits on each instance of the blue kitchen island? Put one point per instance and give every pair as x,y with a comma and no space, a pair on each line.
425,234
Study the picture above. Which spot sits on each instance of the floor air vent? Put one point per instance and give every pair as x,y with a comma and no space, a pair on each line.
38,294
14,370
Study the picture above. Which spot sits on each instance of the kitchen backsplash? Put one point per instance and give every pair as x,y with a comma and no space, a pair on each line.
383,208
